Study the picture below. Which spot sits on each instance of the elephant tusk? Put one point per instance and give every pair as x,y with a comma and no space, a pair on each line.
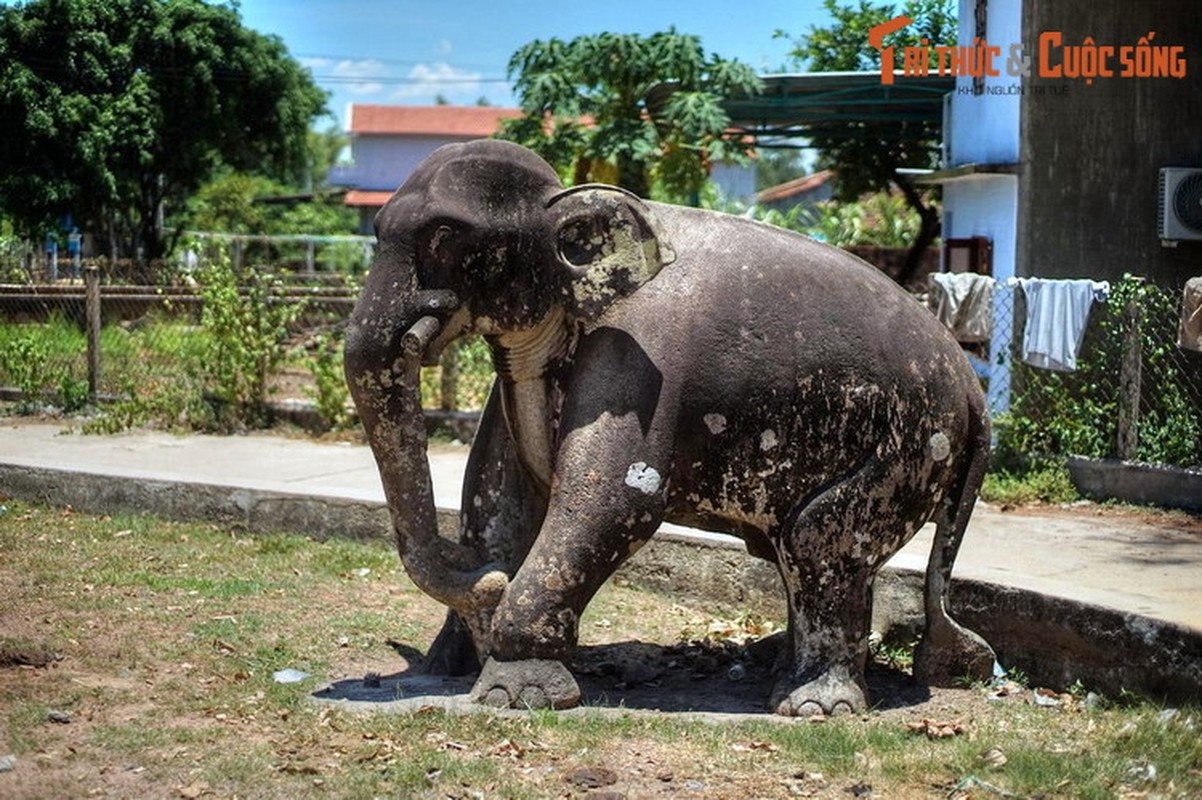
415,340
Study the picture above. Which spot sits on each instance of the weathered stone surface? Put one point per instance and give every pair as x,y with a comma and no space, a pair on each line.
530,683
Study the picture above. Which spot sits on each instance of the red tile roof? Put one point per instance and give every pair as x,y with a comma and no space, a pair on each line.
466,121
796,186
362,197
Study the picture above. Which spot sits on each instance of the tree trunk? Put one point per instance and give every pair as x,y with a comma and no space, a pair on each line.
632,176
928,230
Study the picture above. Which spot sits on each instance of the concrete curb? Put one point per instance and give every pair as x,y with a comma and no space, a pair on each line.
1053,640
1136,482
254,509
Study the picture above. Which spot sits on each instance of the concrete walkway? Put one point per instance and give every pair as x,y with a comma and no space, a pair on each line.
1127,563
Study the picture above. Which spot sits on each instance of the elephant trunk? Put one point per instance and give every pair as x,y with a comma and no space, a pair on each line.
383,367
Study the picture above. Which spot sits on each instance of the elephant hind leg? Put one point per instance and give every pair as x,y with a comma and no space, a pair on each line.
453,652
828,558
949,651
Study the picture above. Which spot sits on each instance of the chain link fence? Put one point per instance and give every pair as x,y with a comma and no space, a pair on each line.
1134,393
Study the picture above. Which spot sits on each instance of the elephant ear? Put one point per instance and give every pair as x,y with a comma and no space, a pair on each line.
609,242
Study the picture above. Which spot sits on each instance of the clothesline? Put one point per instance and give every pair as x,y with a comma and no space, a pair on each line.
1057,313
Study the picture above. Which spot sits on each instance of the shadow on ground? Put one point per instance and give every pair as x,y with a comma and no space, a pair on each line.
630,675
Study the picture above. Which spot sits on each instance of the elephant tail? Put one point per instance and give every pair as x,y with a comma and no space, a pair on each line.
948,651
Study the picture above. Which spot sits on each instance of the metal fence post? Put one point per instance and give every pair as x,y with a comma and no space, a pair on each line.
1130,375
92,312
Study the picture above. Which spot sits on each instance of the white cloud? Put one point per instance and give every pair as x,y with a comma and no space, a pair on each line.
428,80
315,63
369,73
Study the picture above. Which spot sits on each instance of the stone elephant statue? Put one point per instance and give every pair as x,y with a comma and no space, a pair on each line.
658,363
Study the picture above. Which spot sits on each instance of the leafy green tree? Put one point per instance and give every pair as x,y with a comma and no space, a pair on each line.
324,215
233,203
774,167
651,107
115,110
869,156
227,204
325,150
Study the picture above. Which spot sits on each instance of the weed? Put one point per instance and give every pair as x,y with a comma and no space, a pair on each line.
331,393
1047,483
42,361
1018,676
894,655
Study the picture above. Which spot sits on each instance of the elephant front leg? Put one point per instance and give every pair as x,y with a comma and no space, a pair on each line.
595,521
536,626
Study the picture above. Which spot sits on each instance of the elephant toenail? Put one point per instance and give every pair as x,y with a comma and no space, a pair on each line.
497,698
533,697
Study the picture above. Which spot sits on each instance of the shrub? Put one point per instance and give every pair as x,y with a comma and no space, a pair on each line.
1076,413
247,328
1047,482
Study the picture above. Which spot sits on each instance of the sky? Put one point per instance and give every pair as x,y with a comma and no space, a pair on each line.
408,53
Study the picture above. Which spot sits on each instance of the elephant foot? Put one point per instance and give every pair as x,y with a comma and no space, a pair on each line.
949,652
532,683
832,693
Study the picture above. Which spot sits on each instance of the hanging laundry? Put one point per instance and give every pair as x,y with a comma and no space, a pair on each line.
1057,313
1191,315
963,301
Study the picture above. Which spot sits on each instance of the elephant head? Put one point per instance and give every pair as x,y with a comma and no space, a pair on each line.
481,239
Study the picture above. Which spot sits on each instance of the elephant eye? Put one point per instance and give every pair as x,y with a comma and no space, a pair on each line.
580,241
439,238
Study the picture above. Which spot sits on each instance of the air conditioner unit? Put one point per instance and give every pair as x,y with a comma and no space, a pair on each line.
1180,206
